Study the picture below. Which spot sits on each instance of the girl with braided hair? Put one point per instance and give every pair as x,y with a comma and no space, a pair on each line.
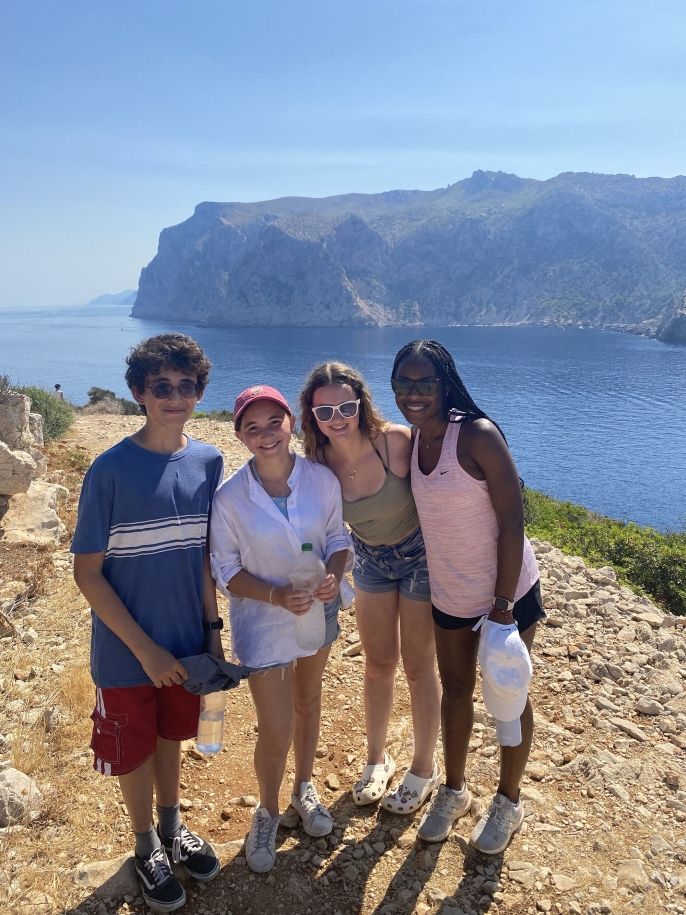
481,565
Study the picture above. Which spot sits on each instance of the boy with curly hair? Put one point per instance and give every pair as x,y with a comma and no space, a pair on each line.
141,561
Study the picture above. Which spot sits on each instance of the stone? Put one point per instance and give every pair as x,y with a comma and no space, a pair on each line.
15,429
629,728
631,874
17,470
108,879
20,799
646,706
332,782
31,516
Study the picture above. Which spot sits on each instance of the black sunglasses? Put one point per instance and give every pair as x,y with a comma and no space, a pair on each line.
163,390
427,387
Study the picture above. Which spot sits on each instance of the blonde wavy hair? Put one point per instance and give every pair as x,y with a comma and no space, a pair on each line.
334,373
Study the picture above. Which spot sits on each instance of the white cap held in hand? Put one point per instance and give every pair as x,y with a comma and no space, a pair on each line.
505,676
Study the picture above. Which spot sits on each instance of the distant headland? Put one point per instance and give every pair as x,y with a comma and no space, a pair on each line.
578,249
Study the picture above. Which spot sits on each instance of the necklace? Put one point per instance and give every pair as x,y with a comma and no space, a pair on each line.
433,438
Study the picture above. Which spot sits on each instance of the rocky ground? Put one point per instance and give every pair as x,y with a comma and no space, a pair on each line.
605,792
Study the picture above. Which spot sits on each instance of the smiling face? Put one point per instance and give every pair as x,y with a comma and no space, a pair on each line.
169,412
416,407
266,430
333,395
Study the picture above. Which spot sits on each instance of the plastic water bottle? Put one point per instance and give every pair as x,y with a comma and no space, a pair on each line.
307,574
210,737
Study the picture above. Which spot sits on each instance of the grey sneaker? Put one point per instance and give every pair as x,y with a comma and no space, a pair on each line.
447,806
260,846
497,826
316,818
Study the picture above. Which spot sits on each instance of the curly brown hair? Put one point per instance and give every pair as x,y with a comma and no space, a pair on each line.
328,373
174,351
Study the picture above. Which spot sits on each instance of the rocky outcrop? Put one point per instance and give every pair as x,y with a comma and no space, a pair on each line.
580,248
28,505
673,327
32,516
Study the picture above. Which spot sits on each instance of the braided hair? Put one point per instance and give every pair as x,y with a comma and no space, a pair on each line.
458,405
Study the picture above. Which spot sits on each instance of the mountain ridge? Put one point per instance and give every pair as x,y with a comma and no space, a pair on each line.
580,248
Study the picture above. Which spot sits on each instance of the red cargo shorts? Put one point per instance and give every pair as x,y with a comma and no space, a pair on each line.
127,722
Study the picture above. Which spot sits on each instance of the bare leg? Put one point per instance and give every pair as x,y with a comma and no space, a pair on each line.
272,693
377,623
456,650
167,772
513,760
417,646
307,694
136,789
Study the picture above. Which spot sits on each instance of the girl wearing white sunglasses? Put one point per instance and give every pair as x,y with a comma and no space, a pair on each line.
371,458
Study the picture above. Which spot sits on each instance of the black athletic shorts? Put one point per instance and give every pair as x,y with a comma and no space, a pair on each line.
527,611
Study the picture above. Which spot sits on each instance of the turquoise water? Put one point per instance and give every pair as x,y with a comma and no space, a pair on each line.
598,418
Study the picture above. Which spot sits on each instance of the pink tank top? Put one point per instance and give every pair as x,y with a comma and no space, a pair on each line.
460,531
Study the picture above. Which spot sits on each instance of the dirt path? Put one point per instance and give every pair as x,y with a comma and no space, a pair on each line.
606,807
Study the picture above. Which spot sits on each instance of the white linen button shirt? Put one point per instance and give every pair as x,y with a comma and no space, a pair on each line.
247,531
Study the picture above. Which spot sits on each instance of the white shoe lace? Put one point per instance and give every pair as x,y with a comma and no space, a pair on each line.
500,813
187,842
310,800
158,867
264,830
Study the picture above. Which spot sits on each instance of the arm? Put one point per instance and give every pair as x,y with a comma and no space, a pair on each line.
213,637
490,454
338,543
400,441
158,663
243,584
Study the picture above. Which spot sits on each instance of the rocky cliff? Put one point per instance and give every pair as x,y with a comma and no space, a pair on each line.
579,248
673,327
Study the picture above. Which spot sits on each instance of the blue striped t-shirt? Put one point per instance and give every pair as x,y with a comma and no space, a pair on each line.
148,513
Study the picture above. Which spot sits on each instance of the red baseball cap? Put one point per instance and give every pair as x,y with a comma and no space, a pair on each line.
252,395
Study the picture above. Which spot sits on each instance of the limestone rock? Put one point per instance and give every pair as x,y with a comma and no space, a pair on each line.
15,429
36,428
17,469
32,516
20,799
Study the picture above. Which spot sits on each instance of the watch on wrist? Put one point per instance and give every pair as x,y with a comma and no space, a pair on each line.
215,624
503,604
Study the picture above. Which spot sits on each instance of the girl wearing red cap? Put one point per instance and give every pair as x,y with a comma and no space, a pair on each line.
261,516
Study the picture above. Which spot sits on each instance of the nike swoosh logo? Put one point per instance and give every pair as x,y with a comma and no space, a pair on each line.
442,472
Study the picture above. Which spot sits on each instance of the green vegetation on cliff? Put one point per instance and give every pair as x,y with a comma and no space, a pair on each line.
645,559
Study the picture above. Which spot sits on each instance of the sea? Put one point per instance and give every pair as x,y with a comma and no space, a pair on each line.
593,417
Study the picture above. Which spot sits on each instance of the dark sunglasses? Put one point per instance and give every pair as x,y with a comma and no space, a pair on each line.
347,410
427,387
163,390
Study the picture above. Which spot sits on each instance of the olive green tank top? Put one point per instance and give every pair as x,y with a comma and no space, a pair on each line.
386,517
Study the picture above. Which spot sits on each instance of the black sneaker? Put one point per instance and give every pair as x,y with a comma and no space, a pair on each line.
195,854
161,890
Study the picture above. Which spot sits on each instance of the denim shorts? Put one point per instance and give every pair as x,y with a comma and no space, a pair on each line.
401,567
527,611
333,630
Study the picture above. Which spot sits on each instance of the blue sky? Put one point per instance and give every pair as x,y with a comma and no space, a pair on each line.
118,118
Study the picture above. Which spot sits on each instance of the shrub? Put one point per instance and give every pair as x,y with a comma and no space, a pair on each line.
225,415
102,400
649,561
95,395
58,415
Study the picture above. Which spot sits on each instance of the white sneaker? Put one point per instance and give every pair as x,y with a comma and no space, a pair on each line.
496,827
260,846
316,818
447,806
